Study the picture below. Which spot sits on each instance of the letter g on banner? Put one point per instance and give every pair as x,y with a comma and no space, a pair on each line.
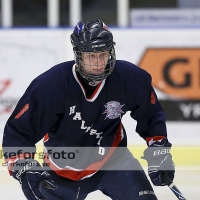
175,71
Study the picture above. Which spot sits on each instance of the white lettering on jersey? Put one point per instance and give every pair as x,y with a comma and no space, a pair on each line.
101,151
99,140
88,129
94,132
98,135
77,116
83,125
72,110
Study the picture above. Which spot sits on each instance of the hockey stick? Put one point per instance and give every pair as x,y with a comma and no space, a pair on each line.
172,186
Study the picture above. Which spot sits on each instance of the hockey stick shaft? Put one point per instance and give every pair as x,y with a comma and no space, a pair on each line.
172,186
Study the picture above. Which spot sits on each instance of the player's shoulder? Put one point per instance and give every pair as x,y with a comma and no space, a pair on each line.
53,79
57,73
61,69
127,67
132,73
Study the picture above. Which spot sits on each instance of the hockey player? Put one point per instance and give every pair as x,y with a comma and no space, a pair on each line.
79,105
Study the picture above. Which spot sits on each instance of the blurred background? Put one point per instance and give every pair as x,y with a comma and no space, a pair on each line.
25,13
162,37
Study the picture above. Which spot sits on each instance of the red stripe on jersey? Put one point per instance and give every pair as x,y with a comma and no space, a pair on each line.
23,110
154,139
46,138
91,169
153,98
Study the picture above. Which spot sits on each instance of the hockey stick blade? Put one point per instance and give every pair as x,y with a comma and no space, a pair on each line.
172,186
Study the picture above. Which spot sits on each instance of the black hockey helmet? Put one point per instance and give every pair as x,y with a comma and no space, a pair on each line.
95,37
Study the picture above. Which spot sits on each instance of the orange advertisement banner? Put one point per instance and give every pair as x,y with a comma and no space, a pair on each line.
174,71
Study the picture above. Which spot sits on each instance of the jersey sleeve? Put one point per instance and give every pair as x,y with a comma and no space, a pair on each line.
37,112
149,115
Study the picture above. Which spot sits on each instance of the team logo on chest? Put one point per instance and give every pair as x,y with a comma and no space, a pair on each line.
113,110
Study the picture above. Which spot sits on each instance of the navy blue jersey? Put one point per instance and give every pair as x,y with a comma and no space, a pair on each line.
55,107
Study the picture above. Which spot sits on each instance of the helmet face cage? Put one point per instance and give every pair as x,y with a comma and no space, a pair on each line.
93,50
95,66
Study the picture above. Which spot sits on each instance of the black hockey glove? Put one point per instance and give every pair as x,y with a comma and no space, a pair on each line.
31,176
159,160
